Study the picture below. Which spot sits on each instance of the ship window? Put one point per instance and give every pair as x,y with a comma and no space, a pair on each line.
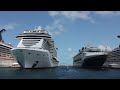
29,53
37,54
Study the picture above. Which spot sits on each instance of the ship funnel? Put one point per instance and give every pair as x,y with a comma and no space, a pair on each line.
3,30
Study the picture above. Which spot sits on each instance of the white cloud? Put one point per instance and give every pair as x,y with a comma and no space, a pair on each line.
83,15
71,52
58,25
53,13
10,26
56,28
61,27
76,14
102,47
118,12
57,33
104,13
69,49
72,15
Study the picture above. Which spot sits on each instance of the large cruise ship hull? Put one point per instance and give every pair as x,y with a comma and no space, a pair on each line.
33,58
94,61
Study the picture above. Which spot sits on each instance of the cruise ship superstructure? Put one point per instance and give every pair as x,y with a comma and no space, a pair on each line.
36,49
6,57
90,57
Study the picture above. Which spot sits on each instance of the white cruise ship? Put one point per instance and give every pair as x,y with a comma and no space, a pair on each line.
90,57
113,59
36,49
6,57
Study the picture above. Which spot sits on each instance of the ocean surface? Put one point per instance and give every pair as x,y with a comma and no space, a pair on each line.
61,72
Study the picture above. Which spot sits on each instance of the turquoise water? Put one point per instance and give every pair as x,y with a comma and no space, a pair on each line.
61,72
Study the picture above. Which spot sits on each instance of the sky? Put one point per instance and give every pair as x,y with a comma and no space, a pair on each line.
71,30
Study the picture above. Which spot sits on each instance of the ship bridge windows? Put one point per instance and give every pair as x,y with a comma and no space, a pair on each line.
32,38
29,42
93,51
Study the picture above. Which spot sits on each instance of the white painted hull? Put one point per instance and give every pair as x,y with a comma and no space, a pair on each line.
33,58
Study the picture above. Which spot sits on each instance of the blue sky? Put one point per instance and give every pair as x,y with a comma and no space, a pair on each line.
70,30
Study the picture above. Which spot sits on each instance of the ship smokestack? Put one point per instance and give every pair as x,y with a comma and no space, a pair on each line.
3,30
